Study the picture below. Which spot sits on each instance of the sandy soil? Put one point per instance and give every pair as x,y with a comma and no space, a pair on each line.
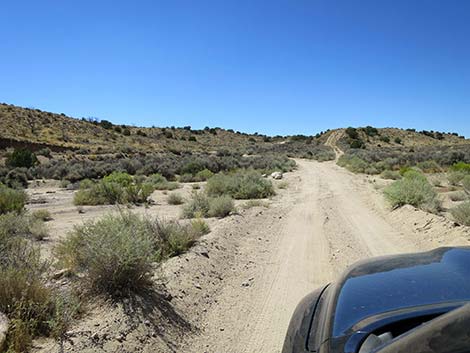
236,290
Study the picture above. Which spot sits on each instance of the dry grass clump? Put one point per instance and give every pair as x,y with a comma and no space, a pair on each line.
159,182
458,196
116,253
254,203
414,189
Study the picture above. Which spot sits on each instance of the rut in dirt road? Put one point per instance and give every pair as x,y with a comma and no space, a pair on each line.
327,226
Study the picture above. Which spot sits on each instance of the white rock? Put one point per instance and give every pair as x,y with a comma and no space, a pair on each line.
276,175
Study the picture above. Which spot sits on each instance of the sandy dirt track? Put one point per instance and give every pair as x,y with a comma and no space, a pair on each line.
332,219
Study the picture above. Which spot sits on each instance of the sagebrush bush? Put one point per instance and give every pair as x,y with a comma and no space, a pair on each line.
458,196
390,175
414,189
115,253
175,199
22,225
455,177
221,206
198,206
461,213
241,185
11,200
254,203
353,163
159,182
43,215
24,297
111,192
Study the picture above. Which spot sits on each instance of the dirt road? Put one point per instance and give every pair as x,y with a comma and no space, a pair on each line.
332,219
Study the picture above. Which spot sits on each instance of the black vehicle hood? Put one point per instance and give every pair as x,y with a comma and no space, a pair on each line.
398,282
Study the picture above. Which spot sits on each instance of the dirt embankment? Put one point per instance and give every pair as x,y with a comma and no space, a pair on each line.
236,290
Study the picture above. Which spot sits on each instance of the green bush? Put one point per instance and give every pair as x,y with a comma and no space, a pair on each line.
107,191
120,178
242,185
203,175
461,167
11,200
221,206
461,213
414,189
175,199
21,158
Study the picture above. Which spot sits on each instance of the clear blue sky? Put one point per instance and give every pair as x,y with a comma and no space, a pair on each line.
276,67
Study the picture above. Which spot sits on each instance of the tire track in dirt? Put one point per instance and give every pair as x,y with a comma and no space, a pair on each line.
326,227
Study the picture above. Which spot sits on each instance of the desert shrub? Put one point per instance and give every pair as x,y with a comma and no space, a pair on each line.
397,140
461,167
159,182
283,185
120,178
429,167
198,206
356,144
455,177
458,196
466,184
115,253
22,225
200,226
175,199
254,203
241,185
21,158
17,178
186,178
116,188
352,133
11,200
385,139
461,213
221,206
391,175
46,152
43,215
353,163
203,175
414,189
24,298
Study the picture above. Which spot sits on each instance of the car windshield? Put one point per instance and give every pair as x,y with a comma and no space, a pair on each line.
438,279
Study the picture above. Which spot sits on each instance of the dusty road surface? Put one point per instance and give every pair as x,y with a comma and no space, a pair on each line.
329,219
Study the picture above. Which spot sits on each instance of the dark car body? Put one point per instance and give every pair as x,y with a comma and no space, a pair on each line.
391,296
